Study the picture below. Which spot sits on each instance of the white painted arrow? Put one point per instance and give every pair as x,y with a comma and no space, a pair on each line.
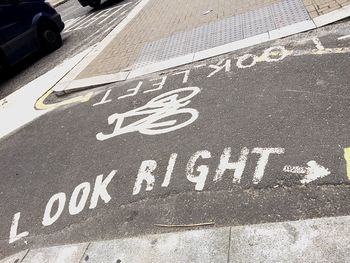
313,172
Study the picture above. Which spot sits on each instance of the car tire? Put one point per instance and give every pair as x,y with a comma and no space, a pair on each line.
50,37
95,4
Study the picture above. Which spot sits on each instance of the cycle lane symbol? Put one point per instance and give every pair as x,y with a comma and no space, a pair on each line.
161,115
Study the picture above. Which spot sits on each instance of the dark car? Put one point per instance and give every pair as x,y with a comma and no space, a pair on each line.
27,26
92,3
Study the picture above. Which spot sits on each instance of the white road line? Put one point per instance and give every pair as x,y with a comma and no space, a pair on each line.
81,21
343,37
100,17
70,23
110,15
109,27
68,13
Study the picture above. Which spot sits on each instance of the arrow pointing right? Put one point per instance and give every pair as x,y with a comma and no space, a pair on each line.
312,172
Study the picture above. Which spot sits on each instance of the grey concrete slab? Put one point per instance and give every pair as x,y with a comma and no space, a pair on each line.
318,240
193,246
59,254
16,258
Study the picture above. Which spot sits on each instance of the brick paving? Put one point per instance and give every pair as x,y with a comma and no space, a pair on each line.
321,7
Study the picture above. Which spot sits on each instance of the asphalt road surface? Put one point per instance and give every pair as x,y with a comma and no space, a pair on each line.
260,135
84,28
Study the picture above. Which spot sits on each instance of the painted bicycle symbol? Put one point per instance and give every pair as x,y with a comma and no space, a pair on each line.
162,115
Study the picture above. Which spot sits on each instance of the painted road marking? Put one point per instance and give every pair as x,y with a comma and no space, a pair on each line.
198,174
344,37
99,17
272,54
347,159
237,167
169,104
13,230
56,204
41,105
312,172
196,171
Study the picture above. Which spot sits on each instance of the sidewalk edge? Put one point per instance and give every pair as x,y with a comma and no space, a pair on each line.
292,238
332,17
98,48
72,85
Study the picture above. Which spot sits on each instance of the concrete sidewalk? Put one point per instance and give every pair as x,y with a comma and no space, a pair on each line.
167,33
315,240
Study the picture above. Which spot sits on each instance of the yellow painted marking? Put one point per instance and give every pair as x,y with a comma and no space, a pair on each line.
347,159
262,58
40,105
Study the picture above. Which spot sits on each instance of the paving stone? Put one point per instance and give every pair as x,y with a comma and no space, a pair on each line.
193,246
59,254
325,6
308,241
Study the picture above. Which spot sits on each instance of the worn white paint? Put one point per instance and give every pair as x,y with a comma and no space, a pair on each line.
263,160
49,219
271,54
104,99
113,14
344,37
222,64
169,169
99,17
294,169
237,167
312,172
318,43
145,174
203,170
242,59
186,75
76,207
169,104
159,85
200,66
100,189
13,230
274,54
134,91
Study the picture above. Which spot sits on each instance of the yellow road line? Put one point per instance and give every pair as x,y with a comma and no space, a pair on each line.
40,105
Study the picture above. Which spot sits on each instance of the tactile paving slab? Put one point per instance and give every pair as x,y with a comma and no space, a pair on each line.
221,32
